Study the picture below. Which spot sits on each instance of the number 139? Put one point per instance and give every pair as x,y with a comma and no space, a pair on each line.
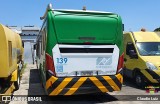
62,60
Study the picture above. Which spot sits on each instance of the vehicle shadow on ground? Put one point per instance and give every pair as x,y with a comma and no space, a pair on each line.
77,99
35,89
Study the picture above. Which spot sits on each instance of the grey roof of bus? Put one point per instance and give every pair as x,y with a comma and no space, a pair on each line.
82,11
66,11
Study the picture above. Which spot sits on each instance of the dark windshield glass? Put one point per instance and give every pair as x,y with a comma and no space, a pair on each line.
149,48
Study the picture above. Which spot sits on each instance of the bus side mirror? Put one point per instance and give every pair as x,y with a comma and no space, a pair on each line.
34,46
133,54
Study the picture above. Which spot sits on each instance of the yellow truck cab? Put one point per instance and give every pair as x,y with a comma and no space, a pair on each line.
142,57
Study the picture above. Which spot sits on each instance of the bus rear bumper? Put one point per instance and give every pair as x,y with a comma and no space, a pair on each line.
83,85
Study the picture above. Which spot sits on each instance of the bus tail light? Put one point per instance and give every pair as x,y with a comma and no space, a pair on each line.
50,64
120,63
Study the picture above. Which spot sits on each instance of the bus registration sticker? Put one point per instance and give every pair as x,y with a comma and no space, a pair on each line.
59,68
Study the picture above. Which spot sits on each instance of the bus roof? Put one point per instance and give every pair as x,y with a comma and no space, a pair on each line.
83,11
66,11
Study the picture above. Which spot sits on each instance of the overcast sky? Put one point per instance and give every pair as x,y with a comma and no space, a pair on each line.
136,14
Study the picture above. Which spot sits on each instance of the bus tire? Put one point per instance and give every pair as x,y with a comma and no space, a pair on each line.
17,83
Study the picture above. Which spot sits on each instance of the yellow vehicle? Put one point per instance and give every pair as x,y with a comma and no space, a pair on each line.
11,59
142,57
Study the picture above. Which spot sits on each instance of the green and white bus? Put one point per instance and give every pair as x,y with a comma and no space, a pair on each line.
80,51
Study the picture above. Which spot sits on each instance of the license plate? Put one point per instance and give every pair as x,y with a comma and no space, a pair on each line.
86,73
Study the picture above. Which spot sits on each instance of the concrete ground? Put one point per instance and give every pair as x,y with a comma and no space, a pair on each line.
30,85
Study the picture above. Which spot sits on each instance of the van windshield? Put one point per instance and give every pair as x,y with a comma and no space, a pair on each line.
149,48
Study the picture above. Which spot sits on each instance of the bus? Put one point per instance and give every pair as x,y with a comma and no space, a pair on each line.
80,52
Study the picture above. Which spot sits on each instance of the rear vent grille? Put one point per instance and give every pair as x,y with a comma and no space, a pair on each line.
86,50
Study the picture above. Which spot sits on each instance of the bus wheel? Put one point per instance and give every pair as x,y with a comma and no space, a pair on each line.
139,80
17,83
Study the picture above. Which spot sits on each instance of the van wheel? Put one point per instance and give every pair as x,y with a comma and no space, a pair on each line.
139,79
17,83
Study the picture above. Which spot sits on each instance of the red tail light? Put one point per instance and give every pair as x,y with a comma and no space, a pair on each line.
50,64
120,63
87,43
